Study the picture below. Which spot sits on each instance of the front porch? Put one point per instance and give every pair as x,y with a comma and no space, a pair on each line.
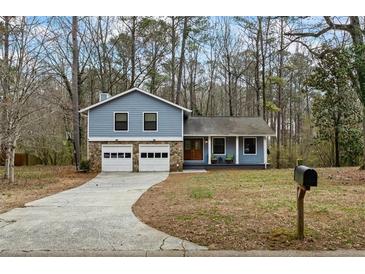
190,166
210,152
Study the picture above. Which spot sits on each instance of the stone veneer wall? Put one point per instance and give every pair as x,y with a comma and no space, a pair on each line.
176,153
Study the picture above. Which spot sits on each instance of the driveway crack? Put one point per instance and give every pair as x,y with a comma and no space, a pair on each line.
183,247
163,242
6,222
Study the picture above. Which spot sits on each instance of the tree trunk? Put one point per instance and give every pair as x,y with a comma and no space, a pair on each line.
182,59
5,85
337,151
193,74
75,92
291,118
280,87
359,47
257,67
7,161
263,69
133,51
12,162
363,135
173,49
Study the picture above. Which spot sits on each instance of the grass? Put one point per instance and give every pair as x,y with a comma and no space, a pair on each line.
35,182
201,193
256,209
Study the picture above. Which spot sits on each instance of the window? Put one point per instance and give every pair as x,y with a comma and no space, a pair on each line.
143,155
106,155
127,155
113,155
150,122
249,145
165,155
150,154
219,146
157,155
187,144
121,121
120,155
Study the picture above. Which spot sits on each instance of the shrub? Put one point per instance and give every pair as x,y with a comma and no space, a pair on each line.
85,165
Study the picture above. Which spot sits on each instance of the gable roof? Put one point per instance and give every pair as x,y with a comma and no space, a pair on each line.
129,91
227,126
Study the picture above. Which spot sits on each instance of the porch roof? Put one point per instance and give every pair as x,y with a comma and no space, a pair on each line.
227,126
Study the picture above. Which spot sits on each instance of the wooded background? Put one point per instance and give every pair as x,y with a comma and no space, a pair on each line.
304,75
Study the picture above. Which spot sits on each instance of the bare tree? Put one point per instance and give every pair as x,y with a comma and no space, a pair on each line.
22,77
75,92
173,37
185,33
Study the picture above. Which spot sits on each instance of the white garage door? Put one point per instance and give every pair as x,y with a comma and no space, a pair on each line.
116,158
154,157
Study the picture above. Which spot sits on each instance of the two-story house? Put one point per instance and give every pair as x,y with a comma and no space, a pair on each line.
138,131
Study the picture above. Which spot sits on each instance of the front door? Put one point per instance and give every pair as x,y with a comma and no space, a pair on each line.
193,149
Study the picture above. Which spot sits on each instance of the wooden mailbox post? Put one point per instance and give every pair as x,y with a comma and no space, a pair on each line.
305,178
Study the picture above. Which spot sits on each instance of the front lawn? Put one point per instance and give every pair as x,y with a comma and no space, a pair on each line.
256,209
35,182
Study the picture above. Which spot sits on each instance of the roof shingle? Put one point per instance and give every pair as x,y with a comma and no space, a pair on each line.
227,126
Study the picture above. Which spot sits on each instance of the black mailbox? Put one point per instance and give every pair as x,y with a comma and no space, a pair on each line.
305,176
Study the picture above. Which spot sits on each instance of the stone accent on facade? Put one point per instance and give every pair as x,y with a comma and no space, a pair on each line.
176,153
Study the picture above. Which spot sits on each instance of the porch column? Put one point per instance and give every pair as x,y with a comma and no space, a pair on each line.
237,156
265,151
209,150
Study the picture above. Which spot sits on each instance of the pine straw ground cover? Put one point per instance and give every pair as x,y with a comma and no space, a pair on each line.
35,182
256,209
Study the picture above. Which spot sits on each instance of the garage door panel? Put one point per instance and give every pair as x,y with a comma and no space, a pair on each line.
154,158
117,158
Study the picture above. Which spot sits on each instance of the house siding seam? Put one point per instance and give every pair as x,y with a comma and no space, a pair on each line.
135,103
176,153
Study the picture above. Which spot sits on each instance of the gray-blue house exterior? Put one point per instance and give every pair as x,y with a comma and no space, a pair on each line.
139,131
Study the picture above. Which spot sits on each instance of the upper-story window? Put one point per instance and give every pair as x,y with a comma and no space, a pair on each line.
121,121
150,121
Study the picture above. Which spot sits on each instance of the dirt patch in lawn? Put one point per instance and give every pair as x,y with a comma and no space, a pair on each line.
35,182
256,209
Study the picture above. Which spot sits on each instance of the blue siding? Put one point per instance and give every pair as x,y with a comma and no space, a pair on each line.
252,159
169,117
231,146
231,149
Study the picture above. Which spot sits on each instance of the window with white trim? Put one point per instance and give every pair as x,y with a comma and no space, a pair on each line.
219,146
150,121
249,145
121,121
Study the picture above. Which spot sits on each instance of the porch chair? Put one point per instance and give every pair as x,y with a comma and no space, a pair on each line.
229,158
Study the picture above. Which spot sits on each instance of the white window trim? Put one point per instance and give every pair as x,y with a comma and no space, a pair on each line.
225,145
146,112
117,112
243,146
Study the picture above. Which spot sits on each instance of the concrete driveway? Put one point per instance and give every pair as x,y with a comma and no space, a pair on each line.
95,218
